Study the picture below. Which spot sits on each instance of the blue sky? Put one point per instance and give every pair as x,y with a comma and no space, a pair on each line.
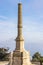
32,12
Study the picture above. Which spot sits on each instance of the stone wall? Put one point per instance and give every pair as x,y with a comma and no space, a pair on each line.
36,63
6,63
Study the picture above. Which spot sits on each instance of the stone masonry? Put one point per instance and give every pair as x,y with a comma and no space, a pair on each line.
20,55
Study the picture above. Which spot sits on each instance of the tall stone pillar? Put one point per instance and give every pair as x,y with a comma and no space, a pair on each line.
20,39
19,19
20,55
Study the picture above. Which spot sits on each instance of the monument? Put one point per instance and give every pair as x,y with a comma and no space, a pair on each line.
20,55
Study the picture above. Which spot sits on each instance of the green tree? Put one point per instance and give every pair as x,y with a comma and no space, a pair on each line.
4,55
37,57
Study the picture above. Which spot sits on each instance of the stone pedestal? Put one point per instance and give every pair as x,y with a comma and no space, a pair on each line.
21,58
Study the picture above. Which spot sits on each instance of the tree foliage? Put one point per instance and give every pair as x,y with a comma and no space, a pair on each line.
4,55
37,57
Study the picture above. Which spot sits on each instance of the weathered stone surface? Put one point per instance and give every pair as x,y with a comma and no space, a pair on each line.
20,56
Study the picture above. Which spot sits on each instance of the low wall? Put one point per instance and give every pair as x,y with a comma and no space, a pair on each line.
4,62
36,63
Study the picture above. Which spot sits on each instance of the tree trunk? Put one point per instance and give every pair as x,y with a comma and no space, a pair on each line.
40,63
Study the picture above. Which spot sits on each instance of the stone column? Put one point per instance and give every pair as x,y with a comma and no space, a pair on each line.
19,39
19,19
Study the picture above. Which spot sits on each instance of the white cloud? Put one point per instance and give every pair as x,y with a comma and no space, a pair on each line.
31,30
7,29
3,17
